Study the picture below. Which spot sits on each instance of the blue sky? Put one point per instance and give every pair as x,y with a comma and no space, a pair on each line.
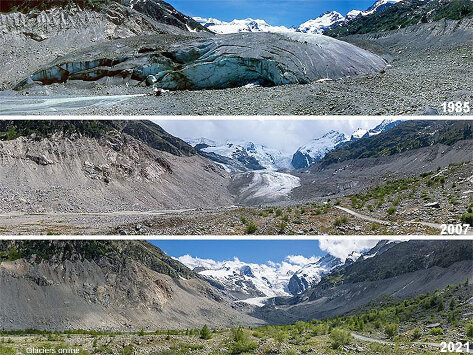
261,251
275,12
256,251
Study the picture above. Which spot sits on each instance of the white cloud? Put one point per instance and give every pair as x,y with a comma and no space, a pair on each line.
301,260
342,248
192,262
291,263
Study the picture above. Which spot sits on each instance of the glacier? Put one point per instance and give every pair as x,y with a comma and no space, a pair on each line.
217,62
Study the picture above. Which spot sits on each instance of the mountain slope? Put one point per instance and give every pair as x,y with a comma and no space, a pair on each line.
320,24
157,10
112,285
408,269
163,12
403,14
406,136
319,147
145,131
103,166
400,259
242,156
316,149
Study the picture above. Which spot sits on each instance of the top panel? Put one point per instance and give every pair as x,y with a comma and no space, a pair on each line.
127,57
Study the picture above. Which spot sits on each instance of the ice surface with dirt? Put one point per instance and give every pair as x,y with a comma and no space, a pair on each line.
271,184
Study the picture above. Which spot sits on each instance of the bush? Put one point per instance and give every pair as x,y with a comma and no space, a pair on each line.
251,228
390,211
467,218
241,342
436,331
278,212
469,330
416,333
453,304
7,350
340,337
340,221
280,336
205,333
127,350
282,227
391,330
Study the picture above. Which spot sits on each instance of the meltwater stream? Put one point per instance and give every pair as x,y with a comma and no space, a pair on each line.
24,105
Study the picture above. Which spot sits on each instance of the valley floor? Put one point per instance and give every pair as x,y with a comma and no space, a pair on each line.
314,220
254,341
417,205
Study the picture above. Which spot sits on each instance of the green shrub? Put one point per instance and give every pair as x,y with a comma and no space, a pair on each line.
241,342
390,211
7,350
469,330
339,337
340,221
280,336
436,331
391,330
127,350
278,212
205,333
467,218
251,228
416,333
453,304
282,227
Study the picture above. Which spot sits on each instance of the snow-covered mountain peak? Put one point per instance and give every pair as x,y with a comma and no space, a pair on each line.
252,282
359,133
244,25
379,5
317,25
321,23
243,155
353,14
316,149
200,141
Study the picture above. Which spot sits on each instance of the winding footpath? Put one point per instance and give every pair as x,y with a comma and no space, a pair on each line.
380,221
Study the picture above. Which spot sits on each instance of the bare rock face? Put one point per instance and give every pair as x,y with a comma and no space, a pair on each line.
218,62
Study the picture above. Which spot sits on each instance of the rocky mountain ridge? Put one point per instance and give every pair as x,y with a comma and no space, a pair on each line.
109,285
318,148
103,166
409,268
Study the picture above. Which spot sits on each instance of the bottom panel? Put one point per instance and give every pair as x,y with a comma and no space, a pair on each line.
267,296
